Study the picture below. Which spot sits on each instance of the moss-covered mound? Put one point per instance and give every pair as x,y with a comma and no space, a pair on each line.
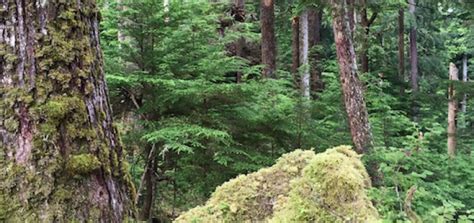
251,197
301,186
332,188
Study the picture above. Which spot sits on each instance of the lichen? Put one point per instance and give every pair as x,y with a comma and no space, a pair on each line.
301,187
82,164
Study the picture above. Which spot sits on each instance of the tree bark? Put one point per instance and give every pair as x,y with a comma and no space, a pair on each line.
464,79
452,109
295,49
351,86
304,52
57,139
314,39
366,22
239,45
401,50
267,19
413,49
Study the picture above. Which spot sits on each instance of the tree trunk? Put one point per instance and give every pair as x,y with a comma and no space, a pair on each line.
351,15
60,151
452,107
314,39
351,86
401,50
464,79
267,19
150,184
295,49
413,50
239,45
365,23
304,52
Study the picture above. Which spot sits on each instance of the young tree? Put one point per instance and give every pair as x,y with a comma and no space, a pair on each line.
267,20
351,85
62,154
452,109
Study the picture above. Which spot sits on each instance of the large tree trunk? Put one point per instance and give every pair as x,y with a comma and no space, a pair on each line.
304,52
401,50
452,107
267,19
61,155
351,85
314,39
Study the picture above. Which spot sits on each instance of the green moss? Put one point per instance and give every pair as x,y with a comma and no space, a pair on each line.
332,189
300,187
82,164
11,124
251,197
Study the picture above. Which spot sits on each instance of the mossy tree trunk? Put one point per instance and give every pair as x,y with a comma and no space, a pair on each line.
60,155
351,85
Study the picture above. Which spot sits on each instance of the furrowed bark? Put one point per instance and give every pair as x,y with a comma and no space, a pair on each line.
351,85
57,139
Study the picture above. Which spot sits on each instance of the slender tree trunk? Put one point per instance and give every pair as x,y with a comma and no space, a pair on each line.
239,45
314,39
452,109
413,59
401,50
366,22
464,79
150,185
57,141
295,49
351,85
304,52
267,19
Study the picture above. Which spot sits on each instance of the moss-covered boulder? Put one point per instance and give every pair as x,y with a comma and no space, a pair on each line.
332,188
300,187
251,197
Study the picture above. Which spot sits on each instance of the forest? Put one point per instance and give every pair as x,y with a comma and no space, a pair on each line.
236,111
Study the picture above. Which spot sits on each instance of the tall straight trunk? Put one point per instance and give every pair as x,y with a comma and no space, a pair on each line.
57,140
295,48
401,50
267,20
304,52
314,39
351,85
464,79
452,107
150,185
413,59
240,43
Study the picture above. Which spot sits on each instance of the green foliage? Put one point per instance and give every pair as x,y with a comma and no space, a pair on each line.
444,185
172,82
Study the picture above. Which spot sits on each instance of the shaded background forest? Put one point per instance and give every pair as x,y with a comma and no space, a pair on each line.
186,87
